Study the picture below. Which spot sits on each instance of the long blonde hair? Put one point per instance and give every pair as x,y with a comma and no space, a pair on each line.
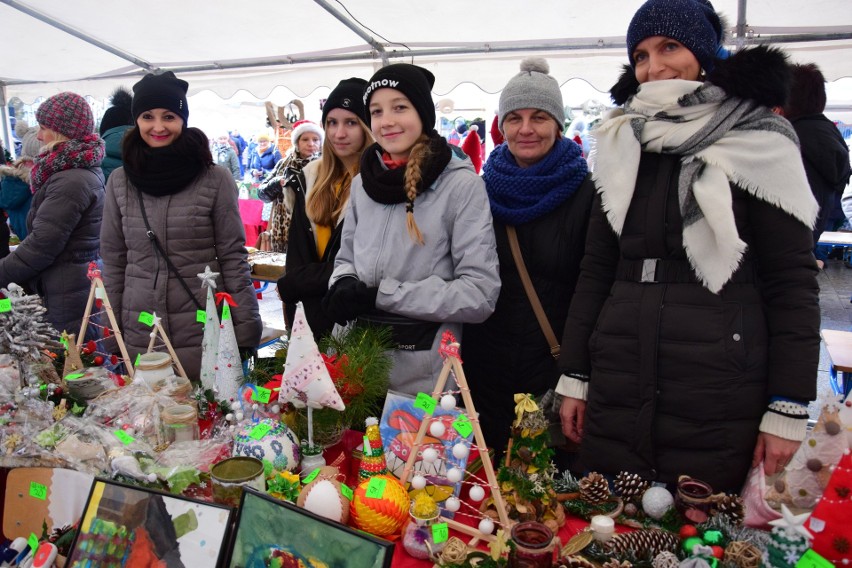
58,139
324,205
413,174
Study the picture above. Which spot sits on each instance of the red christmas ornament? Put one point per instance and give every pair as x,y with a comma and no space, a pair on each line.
687,531
113,359
718,551
99,360
106,332
99,303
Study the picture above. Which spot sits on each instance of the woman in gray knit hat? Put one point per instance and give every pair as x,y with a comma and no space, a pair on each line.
539,189
692,341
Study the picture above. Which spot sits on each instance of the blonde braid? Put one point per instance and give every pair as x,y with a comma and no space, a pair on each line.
413,175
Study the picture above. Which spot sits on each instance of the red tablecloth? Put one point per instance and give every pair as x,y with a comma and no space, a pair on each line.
250,212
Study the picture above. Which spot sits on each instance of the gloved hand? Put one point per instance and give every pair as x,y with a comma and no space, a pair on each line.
347,299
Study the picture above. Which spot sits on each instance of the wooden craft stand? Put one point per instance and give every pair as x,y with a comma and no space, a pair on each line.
97,283
158,330
453,363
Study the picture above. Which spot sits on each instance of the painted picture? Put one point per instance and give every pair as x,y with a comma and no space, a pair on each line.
275,534
135,527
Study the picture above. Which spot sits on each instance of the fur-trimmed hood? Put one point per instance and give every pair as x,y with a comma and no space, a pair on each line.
759,73
19,169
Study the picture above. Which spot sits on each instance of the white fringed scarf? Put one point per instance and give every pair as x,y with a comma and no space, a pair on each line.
720,140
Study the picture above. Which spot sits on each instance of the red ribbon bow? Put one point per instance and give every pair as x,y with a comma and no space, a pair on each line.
93,271
226,297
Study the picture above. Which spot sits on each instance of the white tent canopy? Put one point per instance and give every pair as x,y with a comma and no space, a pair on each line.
90,46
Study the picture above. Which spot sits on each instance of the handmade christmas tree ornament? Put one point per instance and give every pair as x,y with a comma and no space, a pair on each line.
789,540
830,521
210,340
323,495
229,368
271,442
373,460
379,505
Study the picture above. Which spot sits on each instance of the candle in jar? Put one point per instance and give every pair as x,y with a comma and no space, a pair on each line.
603,527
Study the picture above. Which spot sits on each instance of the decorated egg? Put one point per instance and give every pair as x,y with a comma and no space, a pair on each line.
323,496
271,442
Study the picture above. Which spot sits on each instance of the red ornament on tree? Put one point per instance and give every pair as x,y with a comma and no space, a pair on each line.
99,360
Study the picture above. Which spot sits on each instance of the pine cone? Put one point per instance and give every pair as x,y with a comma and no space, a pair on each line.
613,563
594,489
644,543
629,486
730,506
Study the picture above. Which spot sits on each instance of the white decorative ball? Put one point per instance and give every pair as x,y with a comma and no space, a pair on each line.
476,493
418,482
455,474
486,526
448,402
239,416
452,504
437,428
275,409
254,406
656,501
152,477
460,451
229,417
430,455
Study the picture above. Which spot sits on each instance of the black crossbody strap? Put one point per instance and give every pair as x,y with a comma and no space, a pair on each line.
156,242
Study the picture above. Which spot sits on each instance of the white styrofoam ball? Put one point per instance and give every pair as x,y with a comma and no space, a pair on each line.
476,493
452,504
455,474
418,482
656,501
430,455
437,428
460,451
229,417
324,500
486,526
448,402
239,416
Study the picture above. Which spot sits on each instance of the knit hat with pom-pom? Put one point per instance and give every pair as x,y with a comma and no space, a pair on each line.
119,113
532,88
30,145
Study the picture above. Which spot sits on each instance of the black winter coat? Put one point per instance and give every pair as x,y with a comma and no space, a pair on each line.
680,377
508,353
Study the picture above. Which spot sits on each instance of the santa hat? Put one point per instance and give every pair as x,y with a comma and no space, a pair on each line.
472,146
496,135
304,126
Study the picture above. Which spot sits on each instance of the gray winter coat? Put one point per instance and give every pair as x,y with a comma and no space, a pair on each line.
453,278
63,225
197,227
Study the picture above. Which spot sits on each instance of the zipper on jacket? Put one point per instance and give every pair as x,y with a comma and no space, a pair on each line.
390,209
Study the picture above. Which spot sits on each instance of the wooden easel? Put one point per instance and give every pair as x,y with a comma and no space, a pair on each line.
158,329
452,362
98,284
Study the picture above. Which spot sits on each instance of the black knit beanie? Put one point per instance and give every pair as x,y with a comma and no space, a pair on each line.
348,95
119,113
412,81
161,91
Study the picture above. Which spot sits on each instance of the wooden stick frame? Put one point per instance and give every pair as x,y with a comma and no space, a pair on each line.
158,329
452,363
97,283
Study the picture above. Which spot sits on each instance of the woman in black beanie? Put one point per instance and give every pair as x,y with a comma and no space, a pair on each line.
170,190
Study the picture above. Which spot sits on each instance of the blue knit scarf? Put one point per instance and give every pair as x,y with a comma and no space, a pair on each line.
520,195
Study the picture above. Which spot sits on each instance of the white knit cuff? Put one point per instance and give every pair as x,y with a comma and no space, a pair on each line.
784,426
574,388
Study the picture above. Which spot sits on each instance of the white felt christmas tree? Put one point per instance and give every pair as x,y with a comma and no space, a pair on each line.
210,341
228,369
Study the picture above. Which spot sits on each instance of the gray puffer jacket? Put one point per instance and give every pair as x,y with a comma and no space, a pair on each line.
197,227
64,224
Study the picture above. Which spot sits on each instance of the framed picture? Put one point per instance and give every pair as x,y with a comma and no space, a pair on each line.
269,529
123,525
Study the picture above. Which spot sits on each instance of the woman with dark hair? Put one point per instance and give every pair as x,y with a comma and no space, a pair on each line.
692,340
824,151
169,213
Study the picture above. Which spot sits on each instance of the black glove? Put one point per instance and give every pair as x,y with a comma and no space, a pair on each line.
347,299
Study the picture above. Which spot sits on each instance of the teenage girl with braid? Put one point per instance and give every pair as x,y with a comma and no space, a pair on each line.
417,251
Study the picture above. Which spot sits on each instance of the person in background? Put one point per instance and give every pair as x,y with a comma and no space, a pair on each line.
263,159
116,121
5,158
692,340
824,152
241,149
538,185
417,251
225,156
64,220
318,212
15,193
286,179
170,212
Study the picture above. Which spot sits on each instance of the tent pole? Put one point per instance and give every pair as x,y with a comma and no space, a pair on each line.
6,128
355,28
741,24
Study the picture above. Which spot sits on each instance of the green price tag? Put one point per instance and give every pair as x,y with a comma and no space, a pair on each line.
440,532
262,395
146,318
425,402
124,437
75,376
33,542
259,431
368,450
311,476
200,316
376,488
226,312
136,363
5,305
64,342
463,426
347,491
811,559
38,490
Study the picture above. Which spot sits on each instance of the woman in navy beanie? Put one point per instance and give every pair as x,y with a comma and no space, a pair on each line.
692,340
64,220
